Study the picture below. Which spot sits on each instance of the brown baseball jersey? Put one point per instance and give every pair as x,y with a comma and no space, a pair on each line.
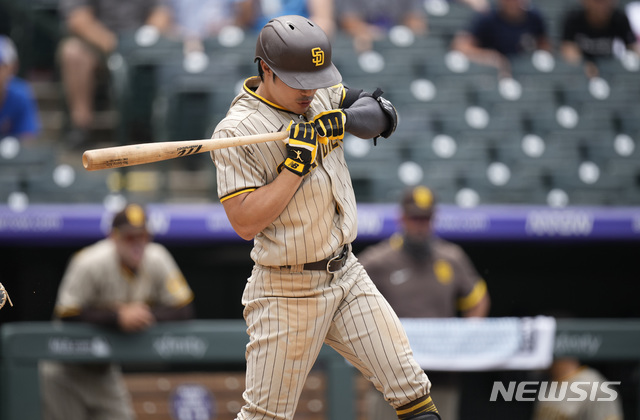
435,286
96,278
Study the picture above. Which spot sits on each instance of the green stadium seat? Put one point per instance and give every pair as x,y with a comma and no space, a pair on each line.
9,183
81,187
457,16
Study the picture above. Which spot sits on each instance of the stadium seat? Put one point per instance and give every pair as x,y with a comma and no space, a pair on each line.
191,102
369,164
433,89
9,183
446,17
67,184
26,160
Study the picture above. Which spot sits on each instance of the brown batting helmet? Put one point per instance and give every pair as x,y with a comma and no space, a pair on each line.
298,51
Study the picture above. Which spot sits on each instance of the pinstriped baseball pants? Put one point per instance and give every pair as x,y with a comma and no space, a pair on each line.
289,316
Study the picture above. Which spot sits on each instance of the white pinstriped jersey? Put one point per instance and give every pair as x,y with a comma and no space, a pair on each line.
321,216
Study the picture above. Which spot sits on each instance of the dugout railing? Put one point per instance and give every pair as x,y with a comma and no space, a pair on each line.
24,344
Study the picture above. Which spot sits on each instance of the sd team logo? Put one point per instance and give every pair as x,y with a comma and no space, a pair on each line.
318,56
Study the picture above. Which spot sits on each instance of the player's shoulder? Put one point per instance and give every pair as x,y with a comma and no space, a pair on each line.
330,97
156,250
241,110
95,255
235,124
446,249
337,92
337,89
248,115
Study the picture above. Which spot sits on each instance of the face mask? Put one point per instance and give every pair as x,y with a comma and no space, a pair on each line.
417,249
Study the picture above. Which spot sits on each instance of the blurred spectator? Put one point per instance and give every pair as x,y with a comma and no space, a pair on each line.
18,108
197,20
591,32
369,20
93,28
633,13
510,28
477,5
423,276
598,406
124,282
255,14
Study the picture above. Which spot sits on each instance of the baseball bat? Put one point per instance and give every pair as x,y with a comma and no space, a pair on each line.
138,154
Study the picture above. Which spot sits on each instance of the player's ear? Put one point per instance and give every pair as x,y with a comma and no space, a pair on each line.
266,71
265,67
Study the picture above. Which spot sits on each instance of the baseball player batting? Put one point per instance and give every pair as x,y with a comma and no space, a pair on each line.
296,201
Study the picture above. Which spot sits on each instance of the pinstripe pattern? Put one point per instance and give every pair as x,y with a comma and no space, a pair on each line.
290,313
309,229
346,311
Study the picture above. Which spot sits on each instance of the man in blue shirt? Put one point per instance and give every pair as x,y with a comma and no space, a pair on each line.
18,110
509,29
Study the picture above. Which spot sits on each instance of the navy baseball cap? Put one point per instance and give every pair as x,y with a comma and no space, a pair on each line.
8,53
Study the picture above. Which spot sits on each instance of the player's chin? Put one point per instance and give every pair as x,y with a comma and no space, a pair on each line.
302,106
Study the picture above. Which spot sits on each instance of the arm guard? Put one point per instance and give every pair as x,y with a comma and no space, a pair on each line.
370,115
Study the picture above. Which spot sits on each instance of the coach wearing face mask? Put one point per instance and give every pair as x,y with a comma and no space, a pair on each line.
423,276
126,283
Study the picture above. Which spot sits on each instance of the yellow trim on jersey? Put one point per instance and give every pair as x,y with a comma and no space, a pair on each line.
185,302
473,298
426,403
246,190
260,98
396,241
245,86
344,92
178,287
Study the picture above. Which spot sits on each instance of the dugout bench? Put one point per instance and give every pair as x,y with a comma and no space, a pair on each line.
23,344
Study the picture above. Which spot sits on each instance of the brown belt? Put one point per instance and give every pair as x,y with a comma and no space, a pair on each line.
331,265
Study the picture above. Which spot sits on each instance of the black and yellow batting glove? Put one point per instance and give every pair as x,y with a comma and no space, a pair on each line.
330,125
302,148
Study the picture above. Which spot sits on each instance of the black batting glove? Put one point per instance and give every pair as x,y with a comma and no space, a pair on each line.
302,148
330,125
